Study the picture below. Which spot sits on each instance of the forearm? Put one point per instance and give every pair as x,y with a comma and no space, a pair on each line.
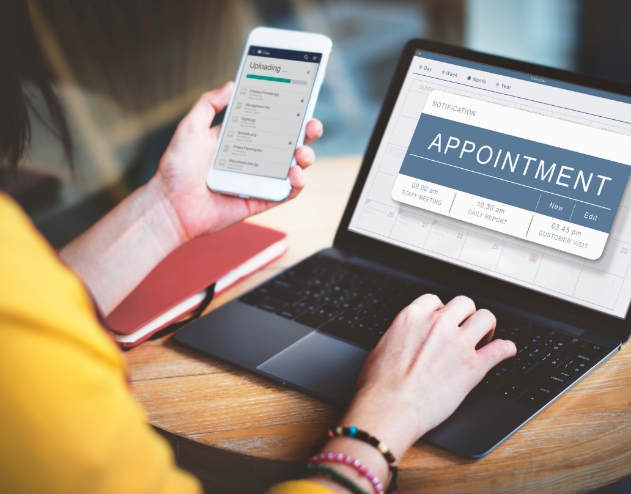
115,254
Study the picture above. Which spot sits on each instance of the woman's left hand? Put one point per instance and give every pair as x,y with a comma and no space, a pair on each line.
181,177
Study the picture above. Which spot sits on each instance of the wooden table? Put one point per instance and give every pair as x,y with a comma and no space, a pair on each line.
239,433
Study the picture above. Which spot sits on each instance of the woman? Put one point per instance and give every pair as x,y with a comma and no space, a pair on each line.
68,421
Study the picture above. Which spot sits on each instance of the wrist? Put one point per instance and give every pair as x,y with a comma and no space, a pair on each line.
398,427
369,458
115,254
159,211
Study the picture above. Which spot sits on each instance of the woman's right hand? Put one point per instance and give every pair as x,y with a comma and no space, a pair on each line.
430,358
422,369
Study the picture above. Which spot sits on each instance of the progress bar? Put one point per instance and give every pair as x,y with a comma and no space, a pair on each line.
275,79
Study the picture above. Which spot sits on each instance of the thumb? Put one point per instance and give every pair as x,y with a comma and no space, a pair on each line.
208,105
496,351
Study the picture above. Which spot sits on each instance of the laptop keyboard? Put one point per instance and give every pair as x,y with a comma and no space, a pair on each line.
358,305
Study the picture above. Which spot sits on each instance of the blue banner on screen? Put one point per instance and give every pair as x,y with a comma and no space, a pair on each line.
548,181
552,181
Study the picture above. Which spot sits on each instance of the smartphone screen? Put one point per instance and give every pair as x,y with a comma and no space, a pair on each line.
267,112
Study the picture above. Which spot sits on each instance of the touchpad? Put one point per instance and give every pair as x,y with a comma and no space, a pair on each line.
320,364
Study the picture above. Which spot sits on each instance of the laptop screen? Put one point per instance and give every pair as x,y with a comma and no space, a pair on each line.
509,174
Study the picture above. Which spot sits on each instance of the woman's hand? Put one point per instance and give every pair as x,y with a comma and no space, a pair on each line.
181,177
175,206
418,374
423,368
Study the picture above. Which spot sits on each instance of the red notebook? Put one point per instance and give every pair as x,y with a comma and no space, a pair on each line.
180,283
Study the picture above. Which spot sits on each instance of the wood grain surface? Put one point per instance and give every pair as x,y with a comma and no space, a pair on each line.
239,433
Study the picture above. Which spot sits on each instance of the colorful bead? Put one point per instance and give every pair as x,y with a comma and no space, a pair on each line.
356,464
355,433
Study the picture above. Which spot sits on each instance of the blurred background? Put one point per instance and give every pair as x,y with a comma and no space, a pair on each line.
128,70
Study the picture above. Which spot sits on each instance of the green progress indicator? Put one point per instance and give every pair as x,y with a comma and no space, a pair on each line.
267,78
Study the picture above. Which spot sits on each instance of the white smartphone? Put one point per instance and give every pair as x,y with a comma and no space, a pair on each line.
277,86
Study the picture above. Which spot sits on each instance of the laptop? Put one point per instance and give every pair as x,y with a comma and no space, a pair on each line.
497,179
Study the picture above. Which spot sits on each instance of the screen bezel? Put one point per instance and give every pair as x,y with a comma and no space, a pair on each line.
466,280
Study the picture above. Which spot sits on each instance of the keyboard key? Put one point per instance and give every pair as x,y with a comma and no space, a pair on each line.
551,358
533,399
520,344
342,331
289,312
509,391
535,383
550,373
483,388
309,304
501,332
252,298
336,329
329,311
289,283
488,383
281,293
344,318
594,348
575,366
499,372
363,326
312,320
581,354
552,333
271,304
534,353
513,333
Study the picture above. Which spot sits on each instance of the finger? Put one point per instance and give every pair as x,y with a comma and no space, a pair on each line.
429,302
298,180
313,131
304,156
459,308
496,351
479,326
207,106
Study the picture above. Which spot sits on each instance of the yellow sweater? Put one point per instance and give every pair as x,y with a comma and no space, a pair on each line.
68,421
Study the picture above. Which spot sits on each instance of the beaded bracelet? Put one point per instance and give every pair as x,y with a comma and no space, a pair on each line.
361,435
336,477
351,462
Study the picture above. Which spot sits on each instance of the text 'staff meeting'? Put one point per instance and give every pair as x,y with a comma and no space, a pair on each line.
548,181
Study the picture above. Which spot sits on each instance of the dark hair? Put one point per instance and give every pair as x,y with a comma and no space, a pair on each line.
21,61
